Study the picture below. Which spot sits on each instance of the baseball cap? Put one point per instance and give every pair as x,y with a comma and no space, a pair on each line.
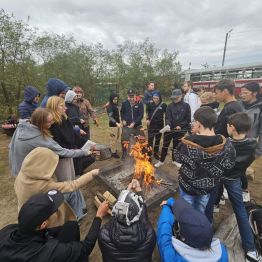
176,93
37,209
128,207
131,92
194,226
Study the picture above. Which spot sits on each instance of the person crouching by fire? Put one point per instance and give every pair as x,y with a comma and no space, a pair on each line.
132,113
129,233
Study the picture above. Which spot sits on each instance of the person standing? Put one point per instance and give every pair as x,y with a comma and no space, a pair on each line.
30,103
114,123
253,107
155,122
132,113
148,98
178,118
191,97
55,87
86,110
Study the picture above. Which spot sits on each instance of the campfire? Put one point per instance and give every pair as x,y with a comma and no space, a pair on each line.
144,171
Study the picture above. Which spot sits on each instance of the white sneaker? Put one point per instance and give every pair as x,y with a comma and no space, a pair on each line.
225,194
246,196
253,256
158,164
176,164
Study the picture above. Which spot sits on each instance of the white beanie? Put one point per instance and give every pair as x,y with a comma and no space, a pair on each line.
69,96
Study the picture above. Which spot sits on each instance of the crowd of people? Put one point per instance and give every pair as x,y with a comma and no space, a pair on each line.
212,148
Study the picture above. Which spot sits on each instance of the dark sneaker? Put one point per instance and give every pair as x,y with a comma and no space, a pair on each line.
253,256
115,155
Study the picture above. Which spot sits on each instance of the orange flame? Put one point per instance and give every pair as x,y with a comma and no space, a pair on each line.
143,171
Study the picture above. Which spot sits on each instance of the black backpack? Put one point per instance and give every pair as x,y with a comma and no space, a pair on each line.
254,212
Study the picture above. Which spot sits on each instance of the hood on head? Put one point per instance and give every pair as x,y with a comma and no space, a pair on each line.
30,93
40,163
70,96
55,86
112,96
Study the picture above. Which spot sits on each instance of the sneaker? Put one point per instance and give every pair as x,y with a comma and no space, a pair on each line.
216,209
115,155
246,196
159,163
253,256
222,201
176,164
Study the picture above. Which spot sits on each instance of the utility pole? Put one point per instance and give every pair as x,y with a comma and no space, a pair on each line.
225,47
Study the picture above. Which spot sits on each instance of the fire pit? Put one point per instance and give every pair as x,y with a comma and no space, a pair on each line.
118,177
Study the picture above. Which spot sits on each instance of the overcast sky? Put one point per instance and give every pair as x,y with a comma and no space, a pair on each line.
196,29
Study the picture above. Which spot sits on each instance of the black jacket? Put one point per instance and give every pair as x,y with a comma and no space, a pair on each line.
202,167
73,113
228,110
132,114
245,155
18,247
178,114
113,112
65,135
157,121
134,243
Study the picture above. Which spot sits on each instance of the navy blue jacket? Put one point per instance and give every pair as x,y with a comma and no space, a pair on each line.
27,107
132,114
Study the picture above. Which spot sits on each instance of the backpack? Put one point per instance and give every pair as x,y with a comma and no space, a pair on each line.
254,212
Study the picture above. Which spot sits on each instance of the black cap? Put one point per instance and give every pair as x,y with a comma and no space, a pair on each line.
37,209
131,92
176,93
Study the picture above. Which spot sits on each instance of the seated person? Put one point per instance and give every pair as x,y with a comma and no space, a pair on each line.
37,175
129,235
193,240
32,239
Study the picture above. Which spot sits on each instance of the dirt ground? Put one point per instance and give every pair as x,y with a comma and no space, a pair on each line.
8,203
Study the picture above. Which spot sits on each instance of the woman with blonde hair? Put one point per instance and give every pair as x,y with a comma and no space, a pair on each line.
63,133
36,133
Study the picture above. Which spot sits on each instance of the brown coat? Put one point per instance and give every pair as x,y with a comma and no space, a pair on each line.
36,176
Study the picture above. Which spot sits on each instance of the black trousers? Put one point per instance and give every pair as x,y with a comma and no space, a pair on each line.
154,135
81,163
168,136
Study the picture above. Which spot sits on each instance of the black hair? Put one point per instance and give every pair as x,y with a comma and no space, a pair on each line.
241,122
227,84
252,87
206,116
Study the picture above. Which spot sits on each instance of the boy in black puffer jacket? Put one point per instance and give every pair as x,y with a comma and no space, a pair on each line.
129,235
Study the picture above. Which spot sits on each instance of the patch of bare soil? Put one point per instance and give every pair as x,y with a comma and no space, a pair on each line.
8,203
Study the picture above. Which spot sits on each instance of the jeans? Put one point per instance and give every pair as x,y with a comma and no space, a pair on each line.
198,202
234,191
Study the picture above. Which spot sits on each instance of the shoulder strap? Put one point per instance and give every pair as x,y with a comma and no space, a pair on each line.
156,110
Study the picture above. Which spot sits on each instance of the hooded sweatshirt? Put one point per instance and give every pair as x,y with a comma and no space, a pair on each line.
27,107
36,176
26,138
255,113
202,167
172,249
54,87
156,118
72,110
113,111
